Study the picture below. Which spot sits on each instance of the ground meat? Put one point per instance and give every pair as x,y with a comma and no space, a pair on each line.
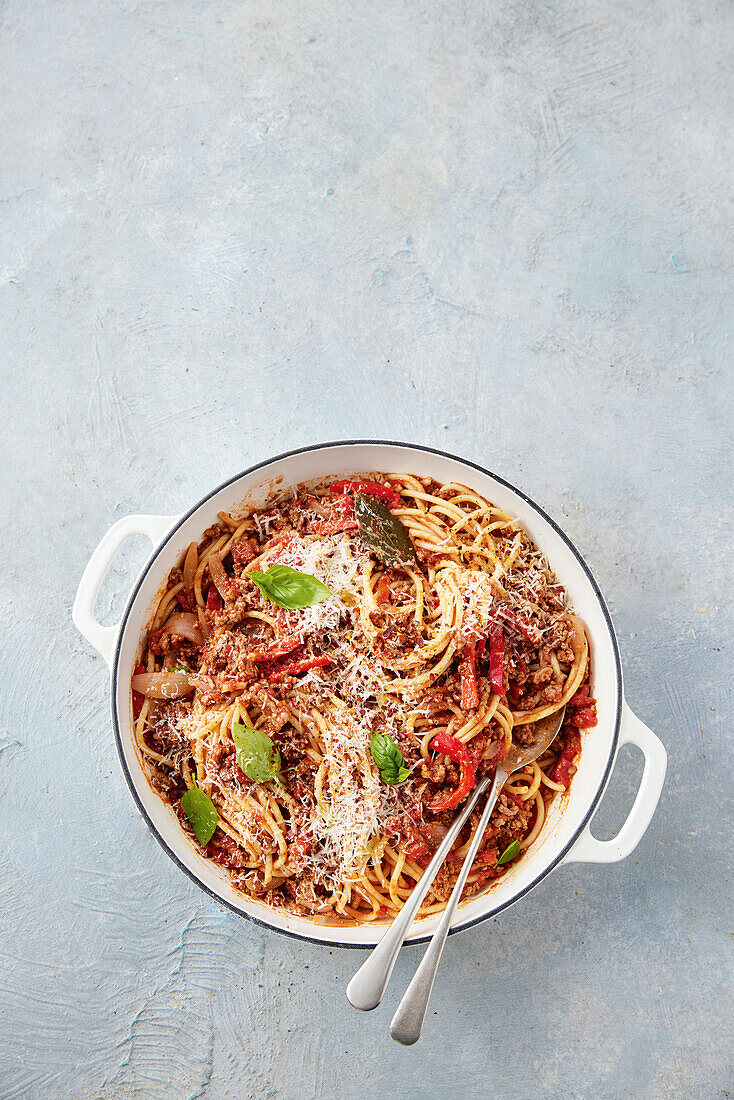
244,550
559,638
443,883
397,638
225,661
510,821
550,694
433,770
224,850
292,744
524,735
542,676
231,772
214,532
168,784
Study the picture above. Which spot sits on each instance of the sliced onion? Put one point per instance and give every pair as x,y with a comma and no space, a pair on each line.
316,506
189,567
218,575
162,685
579,644
187,625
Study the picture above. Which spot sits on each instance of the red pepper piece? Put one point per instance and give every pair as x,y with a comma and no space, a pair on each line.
496,659
369,488
571,746
138,697
214,601
342,518
468,671
459,753
277,649
295,668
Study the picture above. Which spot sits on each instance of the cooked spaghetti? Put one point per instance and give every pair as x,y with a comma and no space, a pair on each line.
332,743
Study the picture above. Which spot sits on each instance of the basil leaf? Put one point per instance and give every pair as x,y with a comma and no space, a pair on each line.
256,754
201,812
290,588
510,852
382,532
388,758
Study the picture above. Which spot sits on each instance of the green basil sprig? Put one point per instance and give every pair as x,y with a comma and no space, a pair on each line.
388,758
201,812
256,754
290,588
382,532
510,852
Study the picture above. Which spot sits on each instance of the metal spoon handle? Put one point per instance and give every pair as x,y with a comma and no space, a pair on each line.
407,1022
367,987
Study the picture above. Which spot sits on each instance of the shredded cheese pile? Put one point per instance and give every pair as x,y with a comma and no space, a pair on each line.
348,796
334,560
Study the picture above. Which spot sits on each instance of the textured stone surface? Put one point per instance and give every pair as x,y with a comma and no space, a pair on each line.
236,227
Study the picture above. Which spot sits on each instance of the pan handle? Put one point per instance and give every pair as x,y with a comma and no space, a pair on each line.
587,848
103,638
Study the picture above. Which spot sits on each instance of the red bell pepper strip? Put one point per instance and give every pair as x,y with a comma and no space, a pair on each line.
458,752
342,518
468,671
295,668
214,601
369,488
277,649
571,746
497,659
138,697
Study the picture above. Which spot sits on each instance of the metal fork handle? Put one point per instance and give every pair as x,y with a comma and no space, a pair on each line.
367,987
407,1022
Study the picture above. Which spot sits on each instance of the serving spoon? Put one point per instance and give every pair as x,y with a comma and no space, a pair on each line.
367,988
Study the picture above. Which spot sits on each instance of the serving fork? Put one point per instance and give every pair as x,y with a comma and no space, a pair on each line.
367,988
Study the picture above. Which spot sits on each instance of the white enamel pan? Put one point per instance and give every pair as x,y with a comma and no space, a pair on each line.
566,837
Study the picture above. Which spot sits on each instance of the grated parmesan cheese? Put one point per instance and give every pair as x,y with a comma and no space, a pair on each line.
349,815
479,602
336,561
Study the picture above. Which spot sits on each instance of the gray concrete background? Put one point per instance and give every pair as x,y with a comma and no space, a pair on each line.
231,228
